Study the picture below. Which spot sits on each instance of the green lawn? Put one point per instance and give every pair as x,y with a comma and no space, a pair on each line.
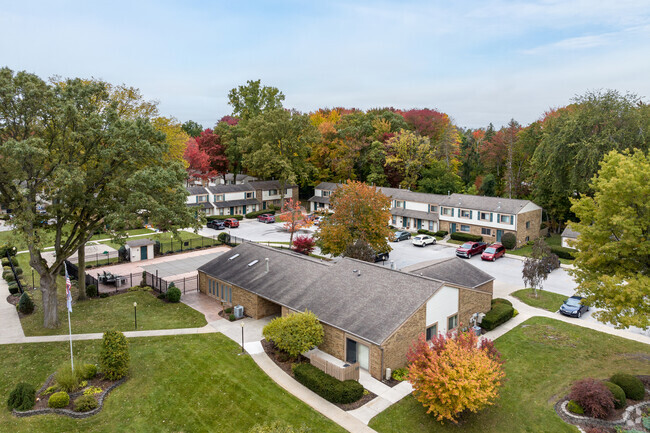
454,241
543,357
553,240
184,383
182,241
547,300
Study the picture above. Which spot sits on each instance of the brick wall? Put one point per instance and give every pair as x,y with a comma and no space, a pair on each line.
475,230
473,301
535,219
333,342
203,283
396,346
247,299
267,308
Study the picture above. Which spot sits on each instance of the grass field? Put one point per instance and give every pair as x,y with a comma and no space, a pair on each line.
547,300
185,383
543,357
553,240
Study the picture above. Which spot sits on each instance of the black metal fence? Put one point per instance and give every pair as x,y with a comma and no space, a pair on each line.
73,271
98,259
185,285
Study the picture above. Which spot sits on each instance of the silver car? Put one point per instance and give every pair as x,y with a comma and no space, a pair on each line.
424,240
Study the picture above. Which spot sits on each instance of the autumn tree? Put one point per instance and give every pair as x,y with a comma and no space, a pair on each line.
198,162
70,147
612,265
454,375
408,153
304,244
276,145
538,265
254,99
175,136
361,213
210,144
293,217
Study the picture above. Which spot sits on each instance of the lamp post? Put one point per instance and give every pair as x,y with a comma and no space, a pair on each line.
135,314
242,338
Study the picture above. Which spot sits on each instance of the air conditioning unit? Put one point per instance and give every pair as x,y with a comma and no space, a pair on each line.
480,317
238,311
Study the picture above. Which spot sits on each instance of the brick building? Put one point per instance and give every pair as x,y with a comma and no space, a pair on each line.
370,313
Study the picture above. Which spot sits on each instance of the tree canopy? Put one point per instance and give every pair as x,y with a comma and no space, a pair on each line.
253,99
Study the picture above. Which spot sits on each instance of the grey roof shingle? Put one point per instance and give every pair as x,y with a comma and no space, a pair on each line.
398,211
453,270
229,203
371,305
569,233
328,186
490,204
196,190
405,194
221,189
140,243
268,184
317,199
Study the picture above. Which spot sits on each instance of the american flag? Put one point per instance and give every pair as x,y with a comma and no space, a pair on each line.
68,286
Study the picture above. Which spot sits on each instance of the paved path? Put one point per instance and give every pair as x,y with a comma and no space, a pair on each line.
11,327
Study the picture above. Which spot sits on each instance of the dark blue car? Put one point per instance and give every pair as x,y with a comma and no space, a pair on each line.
573,307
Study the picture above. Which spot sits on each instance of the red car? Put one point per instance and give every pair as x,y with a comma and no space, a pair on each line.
493,252
266,218
469,249
231,222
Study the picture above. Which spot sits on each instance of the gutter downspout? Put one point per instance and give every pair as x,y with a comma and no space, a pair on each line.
383,371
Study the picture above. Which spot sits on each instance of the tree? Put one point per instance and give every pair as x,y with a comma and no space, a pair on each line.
198,162
210,143
538,265
408,153
65,146
293,217
454,374
489,186
437,178
304,244
612,265
192,128
176,137
254,99
230,131
361,212
295,333
276,145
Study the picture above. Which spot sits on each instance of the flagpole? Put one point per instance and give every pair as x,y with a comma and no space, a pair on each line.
70,332
68,299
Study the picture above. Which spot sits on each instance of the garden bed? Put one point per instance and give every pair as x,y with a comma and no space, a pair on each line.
286,364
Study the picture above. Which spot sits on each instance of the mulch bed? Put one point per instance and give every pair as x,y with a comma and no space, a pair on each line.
98,381
281,360
14,299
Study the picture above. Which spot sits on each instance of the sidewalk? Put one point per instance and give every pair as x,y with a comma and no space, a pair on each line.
11,327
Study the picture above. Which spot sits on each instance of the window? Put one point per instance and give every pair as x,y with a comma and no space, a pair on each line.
487,232
433,208
203,198
221,211
249,195
527,238
485,216
394,220
326,193
273,192
465,214
452,322
464,228
505,219
446,211
399,203
527,225
432,331
430,226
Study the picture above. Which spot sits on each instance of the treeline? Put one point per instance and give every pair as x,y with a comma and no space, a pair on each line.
548,161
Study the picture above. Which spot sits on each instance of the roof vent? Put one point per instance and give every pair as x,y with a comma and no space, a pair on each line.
233,257
252,263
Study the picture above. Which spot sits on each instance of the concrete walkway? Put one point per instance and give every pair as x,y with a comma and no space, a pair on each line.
11,327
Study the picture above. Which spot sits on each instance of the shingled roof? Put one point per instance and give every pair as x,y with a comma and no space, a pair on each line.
453,270
361,298
489,204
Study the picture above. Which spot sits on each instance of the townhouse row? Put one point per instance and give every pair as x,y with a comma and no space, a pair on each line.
490,217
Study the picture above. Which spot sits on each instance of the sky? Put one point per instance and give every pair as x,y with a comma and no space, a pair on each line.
478,61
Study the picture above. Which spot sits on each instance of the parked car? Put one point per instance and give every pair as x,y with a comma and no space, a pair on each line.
469,249
573,307
216,224
381,257
231,222
493,252
424,240
266,218
402,236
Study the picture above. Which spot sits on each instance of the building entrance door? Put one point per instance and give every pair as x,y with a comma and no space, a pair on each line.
499,234
453,228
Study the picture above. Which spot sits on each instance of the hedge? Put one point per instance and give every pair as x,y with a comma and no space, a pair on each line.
224,217
426,232
499,314
631,385
442,233
618,393
457,236
328,387
253,215
509,240
501,301
563,252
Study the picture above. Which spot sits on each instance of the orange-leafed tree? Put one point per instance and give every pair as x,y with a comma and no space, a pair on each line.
454,374
361,215
294,218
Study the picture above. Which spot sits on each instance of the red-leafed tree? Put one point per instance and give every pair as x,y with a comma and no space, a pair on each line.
304,244
210,143
198,161
293,217
427,122
454,374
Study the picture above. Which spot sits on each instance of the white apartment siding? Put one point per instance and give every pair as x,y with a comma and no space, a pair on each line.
267,196
441,306
475,219
422,207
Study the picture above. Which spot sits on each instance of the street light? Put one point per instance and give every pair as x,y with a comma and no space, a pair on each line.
242,337
135,314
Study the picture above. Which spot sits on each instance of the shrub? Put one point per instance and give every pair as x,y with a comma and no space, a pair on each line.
161,296
223,237
574,407
85,403
123,255
173,294
631,385
228,310
7,248
328,387
91,290
58,400
13,288
8,276
426,232
5,261
51,389
499,314
87,371
114,355
295,333
103,295
92,390
442,233
25,304
593,396
304,244
18,270
232,317
618,393
501,301
458,236
509,240
224,217
66,379
22,397
400,374
563,252
253,215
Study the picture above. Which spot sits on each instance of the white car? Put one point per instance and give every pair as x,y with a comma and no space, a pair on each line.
424,240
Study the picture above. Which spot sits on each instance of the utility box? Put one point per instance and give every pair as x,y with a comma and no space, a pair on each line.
238,311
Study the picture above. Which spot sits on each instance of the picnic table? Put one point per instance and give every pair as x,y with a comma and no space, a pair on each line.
109,278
